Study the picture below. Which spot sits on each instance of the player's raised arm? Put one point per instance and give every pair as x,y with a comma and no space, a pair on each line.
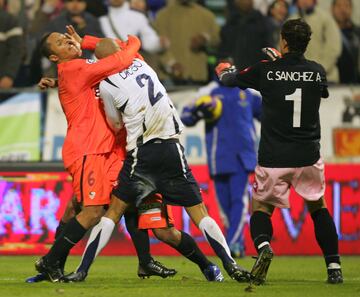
248,78
89,42
95,72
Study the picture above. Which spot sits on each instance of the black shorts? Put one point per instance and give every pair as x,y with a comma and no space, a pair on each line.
158,166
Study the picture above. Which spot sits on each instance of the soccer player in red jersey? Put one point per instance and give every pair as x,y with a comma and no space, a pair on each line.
88,148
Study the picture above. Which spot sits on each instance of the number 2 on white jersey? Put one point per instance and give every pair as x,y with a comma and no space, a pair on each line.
151,94
296,97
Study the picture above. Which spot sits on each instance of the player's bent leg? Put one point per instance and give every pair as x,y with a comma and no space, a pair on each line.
145,270
73,232
99,237
216,239
327,238
139,237
147,265
261,234
69,213
187,246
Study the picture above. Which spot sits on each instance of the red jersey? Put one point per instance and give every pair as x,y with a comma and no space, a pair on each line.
88,132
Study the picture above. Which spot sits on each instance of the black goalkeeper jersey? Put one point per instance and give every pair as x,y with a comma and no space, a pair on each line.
291,88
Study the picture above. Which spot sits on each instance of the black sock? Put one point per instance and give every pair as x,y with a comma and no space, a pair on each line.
59,230
189,249
260,228
140,238
326,235
71,235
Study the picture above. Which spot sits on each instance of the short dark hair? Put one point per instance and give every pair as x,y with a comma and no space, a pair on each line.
297,34
45,46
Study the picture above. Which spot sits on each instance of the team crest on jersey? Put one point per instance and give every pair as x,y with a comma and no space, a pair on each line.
90,61
97,92
115,184
242,96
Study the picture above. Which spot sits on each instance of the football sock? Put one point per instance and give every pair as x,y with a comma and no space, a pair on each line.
189,249
261,229
140,238
216,239
71,235
59,230
326,236
99,237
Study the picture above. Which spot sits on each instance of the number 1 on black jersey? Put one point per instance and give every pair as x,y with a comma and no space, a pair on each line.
296,97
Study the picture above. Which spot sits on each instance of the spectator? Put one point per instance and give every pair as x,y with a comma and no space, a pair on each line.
74,14
231,149
122,21
97,8
139,5
243,36
260,5
11,48
325,44
348,62
46,12
191,29
277,14
154,6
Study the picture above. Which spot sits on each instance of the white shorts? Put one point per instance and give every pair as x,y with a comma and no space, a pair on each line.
272,185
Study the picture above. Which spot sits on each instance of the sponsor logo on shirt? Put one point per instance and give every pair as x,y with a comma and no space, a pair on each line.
92,195
90,61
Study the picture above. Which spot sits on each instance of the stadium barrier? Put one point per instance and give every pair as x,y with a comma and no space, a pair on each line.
33,194
32,200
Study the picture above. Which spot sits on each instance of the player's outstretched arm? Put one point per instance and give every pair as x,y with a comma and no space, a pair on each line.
95,72
89,42
229,76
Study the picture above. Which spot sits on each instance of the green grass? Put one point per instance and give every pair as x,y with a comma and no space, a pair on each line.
116,276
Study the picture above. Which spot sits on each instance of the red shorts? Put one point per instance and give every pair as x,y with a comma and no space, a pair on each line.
153,213
94,177
272,185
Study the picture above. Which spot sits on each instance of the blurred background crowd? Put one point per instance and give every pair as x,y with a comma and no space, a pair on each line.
181,39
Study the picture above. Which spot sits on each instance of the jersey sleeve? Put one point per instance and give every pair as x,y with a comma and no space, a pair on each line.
92,73
113,115
89,43
247,78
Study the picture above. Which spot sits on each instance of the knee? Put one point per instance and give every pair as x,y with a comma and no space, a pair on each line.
93,214
170,236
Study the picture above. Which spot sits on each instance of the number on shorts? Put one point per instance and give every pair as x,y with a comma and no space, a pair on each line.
152,97
296,97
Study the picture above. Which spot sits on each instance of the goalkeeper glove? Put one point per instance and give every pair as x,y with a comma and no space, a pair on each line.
224,68
272,53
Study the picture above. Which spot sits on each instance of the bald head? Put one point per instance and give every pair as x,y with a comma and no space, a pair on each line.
106,47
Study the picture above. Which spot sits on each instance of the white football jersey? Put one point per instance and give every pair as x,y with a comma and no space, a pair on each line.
146,109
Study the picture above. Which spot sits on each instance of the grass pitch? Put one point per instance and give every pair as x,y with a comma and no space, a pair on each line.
116,276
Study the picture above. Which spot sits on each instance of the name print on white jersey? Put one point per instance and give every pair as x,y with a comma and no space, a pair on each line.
146,109
131,70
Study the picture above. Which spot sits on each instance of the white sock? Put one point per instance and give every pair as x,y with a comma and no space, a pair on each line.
216,239
98,239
